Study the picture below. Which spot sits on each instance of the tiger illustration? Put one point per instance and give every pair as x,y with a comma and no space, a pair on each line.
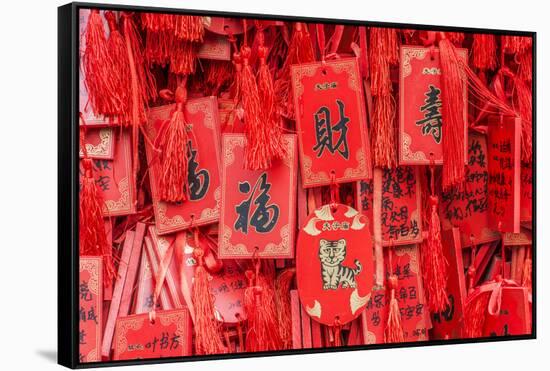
334,274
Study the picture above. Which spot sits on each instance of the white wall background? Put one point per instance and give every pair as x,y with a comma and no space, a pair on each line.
28,181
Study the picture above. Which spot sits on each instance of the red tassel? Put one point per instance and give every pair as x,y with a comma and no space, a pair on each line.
92,235
257,150
393,332
119,70
270,131
457,38
475,311
515,44
217,75
102,91
188,28
142,83
182,57
157,22
173,140
300,50
259,303
453,116
283,285
434,265
484,50
382,53
523,100
207,328
158,46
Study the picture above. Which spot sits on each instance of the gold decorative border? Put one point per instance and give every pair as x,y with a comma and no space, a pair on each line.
104,149
362,171
285,248
125,204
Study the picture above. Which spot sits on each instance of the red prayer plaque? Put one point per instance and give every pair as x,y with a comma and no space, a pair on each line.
136,337
514,317
334,268
115,179
331,122
215,47
203,167
258,207
526,198
228,286
503,185
415,317
467,208
397,196
420,120
448,323
100,143
364,200
90,314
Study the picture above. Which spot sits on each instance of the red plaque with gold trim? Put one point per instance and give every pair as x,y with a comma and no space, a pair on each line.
421,128
331,122
203,204
258,206
138,337
90,313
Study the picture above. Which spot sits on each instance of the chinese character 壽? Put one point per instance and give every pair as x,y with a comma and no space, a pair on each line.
431,123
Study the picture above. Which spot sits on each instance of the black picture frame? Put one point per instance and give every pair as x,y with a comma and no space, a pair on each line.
68,171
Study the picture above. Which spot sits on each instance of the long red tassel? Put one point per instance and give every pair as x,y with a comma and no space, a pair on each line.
173,140
393,332
207,328
382,53
523,99
484,50
270,131
283,285
188,28
300,50
102,92
434,265
142,82
259,303
183,57
119,69
257,152
453,116
92,235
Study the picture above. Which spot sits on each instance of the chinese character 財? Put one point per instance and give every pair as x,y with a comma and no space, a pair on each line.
331,137
264,216
431,123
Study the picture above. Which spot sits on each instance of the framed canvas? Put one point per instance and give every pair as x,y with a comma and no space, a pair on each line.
237,185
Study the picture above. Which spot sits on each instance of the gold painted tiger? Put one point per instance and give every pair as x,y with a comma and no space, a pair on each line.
334,274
